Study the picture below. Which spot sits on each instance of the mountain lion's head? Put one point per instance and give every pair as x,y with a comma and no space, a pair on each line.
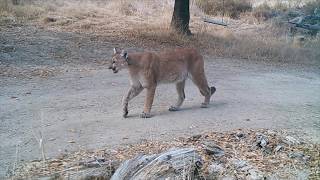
119,60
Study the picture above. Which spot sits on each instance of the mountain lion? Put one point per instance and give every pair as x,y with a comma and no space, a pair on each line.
148,69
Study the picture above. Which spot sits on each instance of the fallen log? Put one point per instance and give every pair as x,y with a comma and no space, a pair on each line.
213,21
307,22
307,26
173,164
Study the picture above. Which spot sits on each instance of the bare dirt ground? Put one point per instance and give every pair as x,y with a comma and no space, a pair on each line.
56,84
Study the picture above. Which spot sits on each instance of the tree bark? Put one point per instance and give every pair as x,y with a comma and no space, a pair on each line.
181,17
15,2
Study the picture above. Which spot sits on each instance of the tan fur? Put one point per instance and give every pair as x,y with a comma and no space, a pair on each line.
148,69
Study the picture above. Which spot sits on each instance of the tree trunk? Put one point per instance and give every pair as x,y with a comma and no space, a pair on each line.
15,2
181,17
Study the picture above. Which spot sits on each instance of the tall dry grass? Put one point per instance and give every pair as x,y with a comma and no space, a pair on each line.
146,24
19,11
231,8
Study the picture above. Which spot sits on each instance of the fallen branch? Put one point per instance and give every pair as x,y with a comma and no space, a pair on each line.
212,21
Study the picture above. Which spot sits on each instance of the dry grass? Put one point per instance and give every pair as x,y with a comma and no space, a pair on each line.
231,8
146,24
266,160
20,12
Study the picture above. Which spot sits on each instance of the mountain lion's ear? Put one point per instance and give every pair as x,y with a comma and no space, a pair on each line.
115,51
124,54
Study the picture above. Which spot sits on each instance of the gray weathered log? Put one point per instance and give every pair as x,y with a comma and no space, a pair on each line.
307,22
212,21
173,164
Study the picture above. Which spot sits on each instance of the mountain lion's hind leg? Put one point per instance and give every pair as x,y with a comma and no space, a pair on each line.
201,82
181,96
132,92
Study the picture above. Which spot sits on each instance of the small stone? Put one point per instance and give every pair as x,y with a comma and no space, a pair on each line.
49,19
228,177
246,168
62,156
7,48
195,137
278,148
255,175
240,135
267,151
291,140
299,155
261,140
239,164
215,168
213,149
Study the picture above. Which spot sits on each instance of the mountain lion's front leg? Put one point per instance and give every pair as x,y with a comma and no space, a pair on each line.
148,102
132,92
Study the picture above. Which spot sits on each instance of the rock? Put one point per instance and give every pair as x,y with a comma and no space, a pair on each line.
261,140
194,138
96,162
299,155
240,135
215,168
303,174
239,164
228,177
291,140
213,149
295,155
255,175
267,151
246,168
278,148
7,48
49,19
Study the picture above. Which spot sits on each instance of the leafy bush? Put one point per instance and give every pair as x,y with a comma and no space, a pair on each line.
231,8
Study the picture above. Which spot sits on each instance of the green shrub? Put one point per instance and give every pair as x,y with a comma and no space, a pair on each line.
231,8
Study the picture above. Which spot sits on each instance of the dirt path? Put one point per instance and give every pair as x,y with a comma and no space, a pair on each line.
79,107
